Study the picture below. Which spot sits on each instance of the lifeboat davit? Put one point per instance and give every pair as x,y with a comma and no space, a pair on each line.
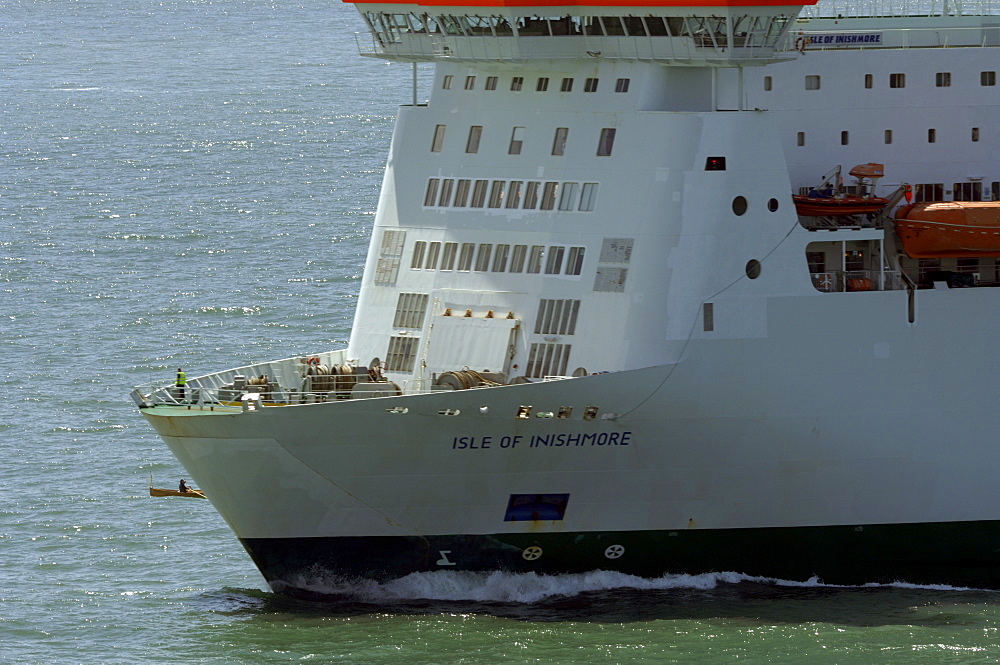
937,229
827,206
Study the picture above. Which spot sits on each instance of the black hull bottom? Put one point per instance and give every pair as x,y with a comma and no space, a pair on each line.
963,554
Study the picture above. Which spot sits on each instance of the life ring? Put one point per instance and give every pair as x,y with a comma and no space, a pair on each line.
800,44
313,361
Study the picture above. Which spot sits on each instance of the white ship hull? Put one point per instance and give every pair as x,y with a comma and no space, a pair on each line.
761,397
753,456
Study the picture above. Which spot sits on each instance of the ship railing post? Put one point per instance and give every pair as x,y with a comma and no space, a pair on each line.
739,88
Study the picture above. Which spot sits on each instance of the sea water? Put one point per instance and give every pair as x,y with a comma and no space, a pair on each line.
191,183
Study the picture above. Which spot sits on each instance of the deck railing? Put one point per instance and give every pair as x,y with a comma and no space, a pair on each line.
832,281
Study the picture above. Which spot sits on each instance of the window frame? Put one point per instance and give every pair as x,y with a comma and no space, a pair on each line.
559,141
475,136
437,141
606,142
516,141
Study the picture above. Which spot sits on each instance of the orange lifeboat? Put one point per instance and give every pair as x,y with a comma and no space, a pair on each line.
937,229
823,206
828,200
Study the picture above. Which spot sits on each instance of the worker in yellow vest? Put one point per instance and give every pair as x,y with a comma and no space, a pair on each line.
181,381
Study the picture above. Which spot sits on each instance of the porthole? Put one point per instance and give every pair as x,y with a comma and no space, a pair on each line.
753,268
739,205
772,205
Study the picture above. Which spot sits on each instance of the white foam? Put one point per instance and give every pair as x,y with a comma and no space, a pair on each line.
505,587
531,587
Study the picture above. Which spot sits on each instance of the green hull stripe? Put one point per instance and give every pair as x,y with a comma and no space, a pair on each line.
954,553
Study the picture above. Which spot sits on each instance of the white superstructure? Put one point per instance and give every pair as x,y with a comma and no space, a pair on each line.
594,332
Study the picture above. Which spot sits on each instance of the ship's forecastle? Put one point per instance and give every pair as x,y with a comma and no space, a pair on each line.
597,331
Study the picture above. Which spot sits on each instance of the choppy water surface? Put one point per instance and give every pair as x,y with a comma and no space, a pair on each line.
191,183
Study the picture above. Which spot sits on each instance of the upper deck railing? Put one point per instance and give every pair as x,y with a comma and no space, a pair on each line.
730,38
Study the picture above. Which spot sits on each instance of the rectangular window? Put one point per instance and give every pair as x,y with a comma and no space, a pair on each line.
462,193
590,85
446,82
613,26
465,256
656,26
933,191
491,82
931,135
567,198
888,136
496,193
419,248
410,310
574,264
559,142
483,257
767,84
430,196
553,264
606,142
547,360
514,194
446,186
402,353
448,257
567,85
800,139
816,261
968,191
942,79
535,259
975,134
543,84
897,80
621,85
869,81
557,317
475,133
549,195
433,252
708,317
470,82
845,138
438,138
500,258
517,83
517,258
531,195
516,141
588,196
479,193
812,82
987,78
